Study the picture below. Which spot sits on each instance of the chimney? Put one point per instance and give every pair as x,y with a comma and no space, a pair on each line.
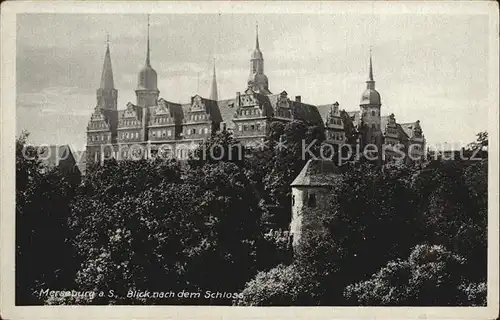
298,99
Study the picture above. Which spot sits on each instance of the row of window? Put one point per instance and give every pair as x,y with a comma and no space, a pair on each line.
129,122
100,137
250,127
249,112
161,133
337,136
160,120
129,135
335,121
392,131
192,131
98,125
197,117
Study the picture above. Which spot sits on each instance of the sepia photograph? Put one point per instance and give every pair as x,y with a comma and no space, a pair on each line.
248,155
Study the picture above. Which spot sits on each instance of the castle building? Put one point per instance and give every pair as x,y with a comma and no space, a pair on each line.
153,125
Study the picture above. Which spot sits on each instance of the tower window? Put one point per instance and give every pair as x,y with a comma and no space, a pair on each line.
373,113
311,201
293,200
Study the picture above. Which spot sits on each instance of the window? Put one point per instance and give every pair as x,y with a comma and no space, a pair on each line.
206,130
311,201
258,125
373,126
373,113
293,200
252,127
153,134
169,133
245,127
164,133
240,128
137,135
193,131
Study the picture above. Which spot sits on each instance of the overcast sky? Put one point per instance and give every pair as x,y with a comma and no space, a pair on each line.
432,68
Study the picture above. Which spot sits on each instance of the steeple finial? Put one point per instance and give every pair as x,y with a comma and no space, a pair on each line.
257,36
371,67
148,62
213,92
107,71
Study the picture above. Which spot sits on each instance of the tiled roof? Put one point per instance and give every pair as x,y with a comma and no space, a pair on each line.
307,113
227,109
213,110
407,128
318,173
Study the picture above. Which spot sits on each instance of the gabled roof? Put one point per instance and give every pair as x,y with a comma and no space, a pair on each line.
323,110
408,128
318,173
211,108
227,110
306,112
57,156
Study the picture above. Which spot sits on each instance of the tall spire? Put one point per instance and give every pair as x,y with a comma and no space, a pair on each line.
370,83
213,92
107,71
148,63
371,67
257,37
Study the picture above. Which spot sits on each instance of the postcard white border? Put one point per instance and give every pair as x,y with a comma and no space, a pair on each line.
8,310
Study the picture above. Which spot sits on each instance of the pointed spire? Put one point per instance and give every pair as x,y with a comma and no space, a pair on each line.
257,37
107,71
213,92
148,62
370,83
371,67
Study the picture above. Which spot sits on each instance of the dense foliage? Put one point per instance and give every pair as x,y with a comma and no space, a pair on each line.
396,235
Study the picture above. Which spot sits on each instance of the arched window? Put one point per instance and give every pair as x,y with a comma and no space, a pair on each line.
373,126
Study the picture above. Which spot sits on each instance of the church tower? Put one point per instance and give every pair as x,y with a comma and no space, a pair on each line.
107,95
147,88
257,80
370,108
213,91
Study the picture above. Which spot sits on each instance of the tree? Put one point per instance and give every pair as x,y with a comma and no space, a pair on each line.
43,198
142,242
221,146
274,167
280,286
115,179
431,276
